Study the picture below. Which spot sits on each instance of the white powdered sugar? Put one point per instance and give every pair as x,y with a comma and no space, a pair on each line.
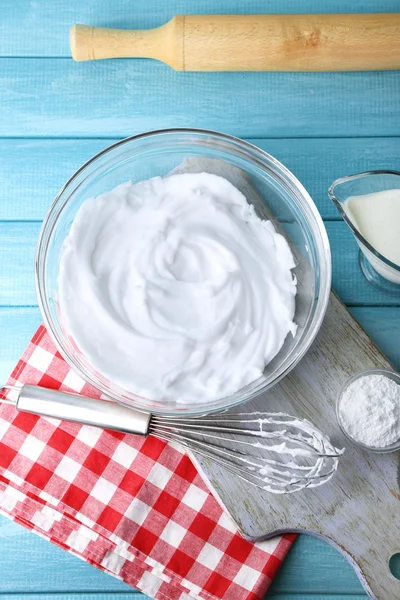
369,410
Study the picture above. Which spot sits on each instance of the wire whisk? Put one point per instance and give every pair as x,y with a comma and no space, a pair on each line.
273,451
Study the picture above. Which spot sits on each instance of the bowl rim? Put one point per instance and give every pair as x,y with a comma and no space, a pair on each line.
322,299
364,373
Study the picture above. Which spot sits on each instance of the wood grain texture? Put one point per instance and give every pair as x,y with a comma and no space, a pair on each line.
50,21
257,42
61,98
338,42
17,250
28,186
357,509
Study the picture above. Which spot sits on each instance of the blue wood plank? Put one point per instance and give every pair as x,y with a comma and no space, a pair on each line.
135,595
138,596
60,98
128,595
17,325
50,21
30,564
383,326
297,572
17,249
28,187
132,595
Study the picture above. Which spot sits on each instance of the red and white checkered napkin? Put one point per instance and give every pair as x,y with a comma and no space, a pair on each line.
134,507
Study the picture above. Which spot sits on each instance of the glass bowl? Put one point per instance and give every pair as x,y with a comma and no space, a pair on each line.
266,183
386,373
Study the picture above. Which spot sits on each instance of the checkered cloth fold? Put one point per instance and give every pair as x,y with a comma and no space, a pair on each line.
134,507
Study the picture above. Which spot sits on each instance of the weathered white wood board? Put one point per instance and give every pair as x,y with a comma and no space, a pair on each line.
358,510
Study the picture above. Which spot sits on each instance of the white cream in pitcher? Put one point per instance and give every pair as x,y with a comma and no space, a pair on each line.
173,288
377,218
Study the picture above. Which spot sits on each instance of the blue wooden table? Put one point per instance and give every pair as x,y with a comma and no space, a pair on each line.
55,114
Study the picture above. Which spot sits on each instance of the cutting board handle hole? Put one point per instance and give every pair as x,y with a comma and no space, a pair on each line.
394,565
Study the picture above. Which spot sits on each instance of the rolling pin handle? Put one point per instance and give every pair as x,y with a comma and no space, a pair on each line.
163,43
81,41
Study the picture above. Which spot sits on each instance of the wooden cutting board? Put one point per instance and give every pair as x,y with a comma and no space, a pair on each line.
358,511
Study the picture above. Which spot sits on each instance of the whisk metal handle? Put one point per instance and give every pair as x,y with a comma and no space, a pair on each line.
70,407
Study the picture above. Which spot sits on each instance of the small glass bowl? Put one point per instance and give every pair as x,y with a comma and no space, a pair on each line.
392,375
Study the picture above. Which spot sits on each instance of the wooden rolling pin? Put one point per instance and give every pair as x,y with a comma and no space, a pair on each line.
350,42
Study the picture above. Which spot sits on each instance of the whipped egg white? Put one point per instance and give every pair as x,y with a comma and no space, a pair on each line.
174,289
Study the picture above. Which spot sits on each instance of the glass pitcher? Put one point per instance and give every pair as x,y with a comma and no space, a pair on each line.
377,269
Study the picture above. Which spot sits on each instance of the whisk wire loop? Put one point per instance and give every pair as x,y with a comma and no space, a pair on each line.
273,451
